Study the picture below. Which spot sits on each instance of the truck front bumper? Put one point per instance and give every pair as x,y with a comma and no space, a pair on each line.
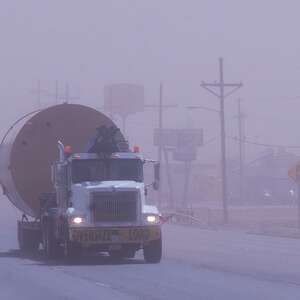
115,235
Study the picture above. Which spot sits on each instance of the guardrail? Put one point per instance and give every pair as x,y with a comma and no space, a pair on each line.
182,217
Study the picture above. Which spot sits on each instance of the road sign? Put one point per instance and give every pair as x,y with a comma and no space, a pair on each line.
179,138
183,142
185,154
294,172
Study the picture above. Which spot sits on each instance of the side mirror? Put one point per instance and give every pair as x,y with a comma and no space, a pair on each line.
53,174
156,176
4,191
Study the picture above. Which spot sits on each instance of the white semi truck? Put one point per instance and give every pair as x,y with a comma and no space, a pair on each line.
80,188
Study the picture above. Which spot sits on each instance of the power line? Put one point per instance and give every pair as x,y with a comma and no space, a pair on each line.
263,144
241,127
39,92
210,141
210,87
161,149
236,139
245,141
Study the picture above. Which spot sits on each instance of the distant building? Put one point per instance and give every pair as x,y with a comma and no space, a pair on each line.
204,184
265,178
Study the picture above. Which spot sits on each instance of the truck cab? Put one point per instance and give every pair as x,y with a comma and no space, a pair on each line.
101,205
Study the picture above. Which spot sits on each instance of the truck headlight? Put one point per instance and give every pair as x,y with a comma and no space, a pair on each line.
77,220
153,219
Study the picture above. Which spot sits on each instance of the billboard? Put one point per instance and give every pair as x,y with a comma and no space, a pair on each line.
183,142
185,154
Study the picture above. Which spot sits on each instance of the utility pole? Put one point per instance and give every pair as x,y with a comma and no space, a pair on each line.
161,149
210,87
67,96
56,92
160,127
160,120
241,127
111,110
187,173
39,92
67,92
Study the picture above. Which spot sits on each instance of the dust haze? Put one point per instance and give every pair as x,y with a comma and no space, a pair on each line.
70,50
93,44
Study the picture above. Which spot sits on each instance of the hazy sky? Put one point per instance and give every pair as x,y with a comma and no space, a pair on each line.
95,42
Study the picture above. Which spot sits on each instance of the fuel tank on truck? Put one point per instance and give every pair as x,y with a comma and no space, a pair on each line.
30,147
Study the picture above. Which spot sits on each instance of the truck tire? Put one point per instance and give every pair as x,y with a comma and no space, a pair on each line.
130,253
28,240
72,252
50,244
153,251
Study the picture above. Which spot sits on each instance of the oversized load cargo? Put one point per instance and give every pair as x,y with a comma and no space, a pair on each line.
90,197
30,147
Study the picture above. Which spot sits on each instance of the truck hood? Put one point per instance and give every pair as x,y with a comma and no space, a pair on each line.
150,209
110,185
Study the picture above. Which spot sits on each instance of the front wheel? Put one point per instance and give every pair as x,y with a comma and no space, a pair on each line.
50,244
153,251
72,251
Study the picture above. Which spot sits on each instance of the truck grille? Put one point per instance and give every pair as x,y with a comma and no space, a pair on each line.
115,207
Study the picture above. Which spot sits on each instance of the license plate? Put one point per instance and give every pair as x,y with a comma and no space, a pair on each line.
116,235
91,235
139,234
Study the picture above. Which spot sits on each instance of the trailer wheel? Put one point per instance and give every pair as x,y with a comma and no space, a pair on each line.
153,251
28,240
50,244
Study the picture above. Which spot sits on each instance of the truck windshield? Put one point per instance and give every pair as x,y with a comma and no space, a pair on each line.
109,169
126,169
88,170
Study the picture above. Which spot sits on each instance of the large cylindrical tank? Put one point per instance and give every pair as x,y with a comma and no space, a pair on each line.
30,147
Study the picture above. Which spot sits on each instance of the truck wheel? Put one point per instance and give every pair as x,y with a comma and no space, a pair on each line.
50,244
153,251
72,251
130,253
28,240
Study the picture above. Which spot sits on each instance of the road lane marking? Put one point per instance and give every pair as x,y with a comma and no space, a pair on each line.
103,285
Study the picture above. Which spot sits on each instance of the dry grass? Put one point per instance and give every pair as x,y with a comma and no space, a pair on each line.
268,219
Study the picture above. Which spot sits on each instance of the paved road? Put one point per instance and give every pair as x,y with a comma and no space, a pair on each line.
197,264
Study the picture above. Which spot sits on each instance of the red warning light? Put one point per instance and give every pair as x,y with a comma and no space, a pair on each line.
68,149
136,149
